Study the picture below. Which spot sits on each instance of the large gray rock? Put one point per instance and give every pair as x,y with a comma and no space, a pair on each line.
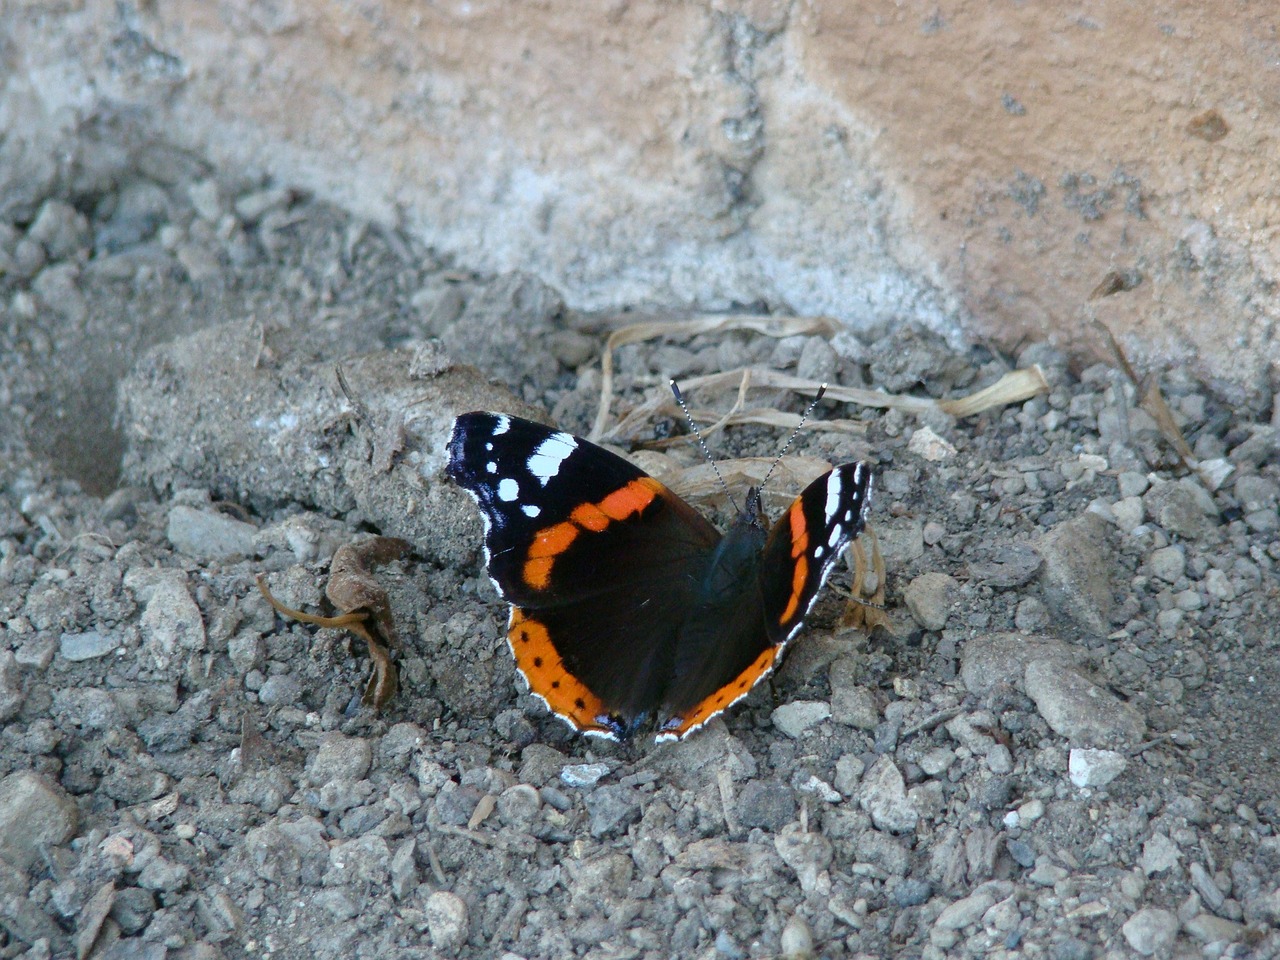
1079,710
297,438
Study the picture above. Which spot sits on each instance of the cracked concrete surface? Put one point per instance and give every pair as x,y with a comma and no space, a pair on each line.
980,170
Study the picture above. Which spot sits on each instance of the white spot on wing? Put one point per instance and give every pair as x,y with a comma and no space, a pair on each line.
491,467
545,461
818,551
833,495
836,533
501,425
531,509
508,490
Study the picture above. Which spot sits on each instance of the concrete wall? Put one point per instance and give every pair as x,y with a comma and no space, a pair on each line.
978,165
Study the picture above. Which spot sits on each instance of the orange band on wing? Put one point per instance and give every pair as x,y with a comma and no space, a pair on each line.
589,516
544,671
550,542
799,553
632,498
722,699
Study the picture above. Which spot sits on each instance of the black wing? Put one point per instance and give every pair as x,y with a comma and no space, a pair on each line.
600,560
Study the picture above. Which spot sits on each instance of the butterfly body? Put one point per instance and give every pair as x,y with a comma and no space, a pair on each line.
627,604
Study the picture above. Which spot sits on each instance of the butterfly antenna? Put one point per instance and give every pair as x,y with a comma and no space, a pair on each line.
790,440
675,390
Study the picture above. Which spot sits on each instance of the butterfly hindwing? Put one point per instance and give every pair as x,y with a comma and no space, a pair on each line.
800,552
806,542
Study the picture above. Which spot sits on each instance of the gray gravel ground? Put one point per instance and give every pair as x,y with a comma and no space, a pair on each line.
1067,749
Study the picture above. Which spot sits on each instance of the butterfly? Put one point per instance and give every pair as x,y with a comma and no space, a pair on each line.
628,607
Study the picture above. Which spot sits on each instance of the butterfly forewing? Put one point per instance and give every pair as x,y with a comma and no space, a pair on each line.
544,493
602,557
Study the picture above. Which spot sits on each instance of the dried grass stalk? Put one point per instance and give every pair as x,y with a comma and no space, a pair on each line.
1013,387
652,330
792,474
1152,400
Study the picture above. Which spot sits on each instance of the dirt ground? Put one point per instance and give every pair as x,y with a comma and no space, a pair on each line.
1065,747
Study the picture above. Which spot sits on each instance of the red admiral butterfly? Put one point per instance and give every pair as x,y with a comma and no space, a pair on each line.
627,603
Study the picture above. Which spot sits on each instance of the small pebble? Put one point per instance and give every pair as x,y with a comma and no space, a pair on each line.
251,207
209,535
89,645
796,941
883,795
206,198
1150,931
1077,563
849,770
35,813
1128,513
164,876
1219,585
132,909
852,704
446,915
818,361
12,693
1207,928
1207,887
1159,855
928,599
911,892
1046,873
404,870
1168,563
60,228
1168,621
339,757
1095,768
807,853
1022,852
797,717
518,806
1031,615
280,690
171,623
1031,811
1132,484
999,759
818,787
936,761
612,809
927,445
1180,508
1215,471
583,774
724,944
965,912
